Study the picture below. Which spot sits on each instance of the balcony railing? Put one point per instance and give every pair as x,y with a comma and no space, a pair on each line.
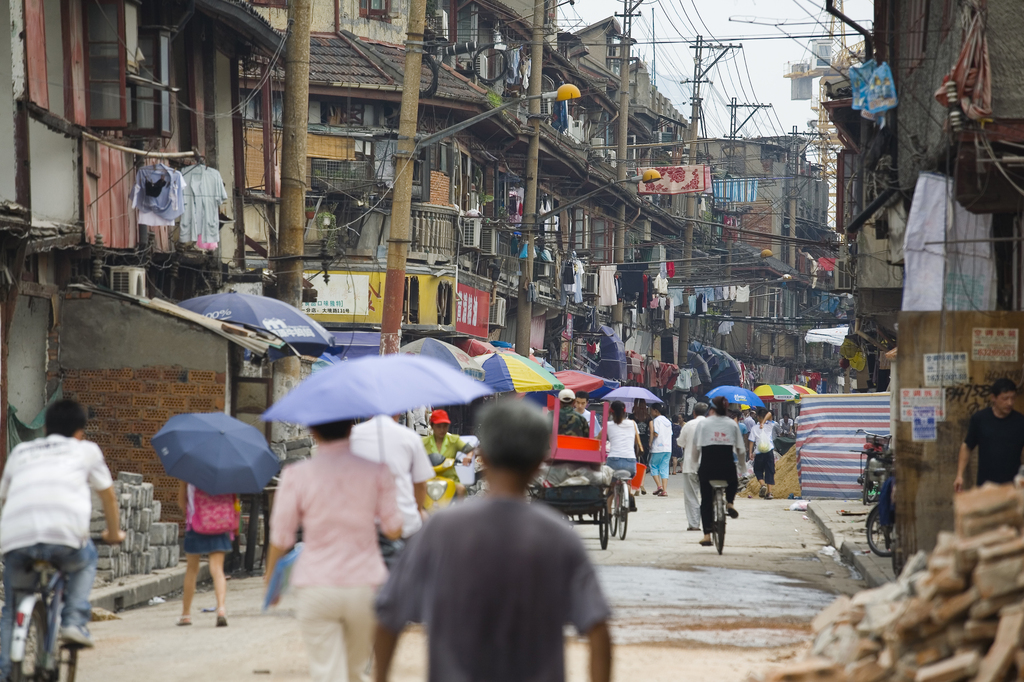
434,229
329,175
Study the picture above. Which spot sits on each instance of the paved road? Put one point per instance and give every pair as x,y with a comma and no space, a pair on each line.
678,607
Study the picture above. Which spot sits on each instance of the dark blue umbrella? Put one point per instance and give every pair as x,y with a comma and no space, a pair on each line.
736,395
299,330
382,384
216,453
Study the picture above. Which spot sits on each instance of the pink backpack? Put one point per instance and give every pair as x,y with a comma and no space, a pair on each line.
213,514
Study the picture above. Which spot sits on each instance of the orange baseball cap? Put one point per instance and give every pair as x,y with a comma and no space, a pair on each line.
439,417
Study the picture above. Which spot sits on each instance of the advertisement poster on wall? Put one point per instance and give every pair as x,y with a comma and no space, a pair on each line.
473,311
346,297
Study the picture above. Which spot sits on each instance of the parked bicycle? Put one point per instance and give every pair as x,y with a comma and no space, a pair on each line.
876,462
718,525
37,653
881,528
618,504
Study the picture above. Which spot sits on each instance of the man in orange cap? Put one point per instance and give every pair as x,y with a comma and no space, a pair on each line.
442,445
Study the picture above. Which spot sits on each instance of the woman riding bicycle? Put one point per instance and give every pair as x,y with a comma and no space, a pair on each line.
720,441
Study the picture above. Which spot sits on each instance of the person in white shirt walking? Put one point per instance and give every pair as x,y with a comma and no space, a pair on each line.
47,506
691,465
720,443
382,439
661,449
762,451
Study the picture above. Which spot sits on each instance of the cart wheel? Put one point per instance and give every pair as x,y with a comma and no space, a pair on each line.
602,527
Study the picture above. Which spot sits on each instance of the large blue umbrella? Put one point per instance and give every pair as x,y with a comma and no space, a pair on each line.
299,330
736,394
383,384
216,453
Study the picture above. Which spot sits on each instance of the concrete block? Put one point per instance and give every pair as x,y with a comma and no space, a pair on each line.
97,525
145,542
126,477
145,519
173,555
163,557
105,576
157,534
105,564
157,508
998,577
126,545
136,520
171,537
125,500
108,550
147,495
147,563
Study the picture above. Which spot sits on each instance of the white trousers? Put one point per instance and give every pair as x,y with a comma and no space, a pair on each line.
691,498
338,625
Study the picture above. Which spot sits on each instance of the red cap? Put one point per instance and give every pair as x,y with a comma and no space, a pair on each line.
439,417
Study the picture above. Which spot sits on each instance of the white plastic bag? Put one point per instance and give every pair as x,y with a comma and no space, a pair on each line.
763,442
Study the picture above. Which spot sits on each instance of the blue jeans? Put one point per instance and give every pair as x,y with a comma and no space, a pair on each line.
79,567
622,464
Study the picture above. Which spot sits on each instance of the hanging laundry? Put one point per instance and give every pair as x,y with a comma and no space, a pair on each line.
719,294
578,274
671,315
670,269
691,303
632,283
157,194
606,285
661,285
742,294
203,193
663,270
513,67
725,327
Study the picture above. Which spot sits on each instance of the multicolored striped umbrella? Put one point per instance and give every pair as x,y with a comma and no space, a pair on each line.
446,353
782,392
512,372
802,390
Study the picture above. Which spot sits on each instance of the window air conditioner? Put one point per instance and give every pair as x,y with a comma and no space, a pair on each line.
542,269
128,280
482,66
576,130
488,241
471,233
609,155
590,283
498,313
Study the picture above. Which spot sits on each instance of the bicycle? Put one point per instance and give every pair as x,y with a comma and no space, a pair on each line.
618,504
718,525
37,653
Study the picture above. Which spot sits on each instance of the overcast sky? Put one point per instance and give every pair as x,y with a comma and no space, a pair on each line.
753,74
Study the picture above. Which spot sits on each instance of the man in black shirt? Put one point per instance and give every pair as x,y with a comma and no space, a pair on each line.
998,433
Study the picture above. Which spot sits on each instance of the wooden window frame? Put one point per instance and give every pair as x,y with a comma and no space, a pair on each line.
161,98
122,61
367,12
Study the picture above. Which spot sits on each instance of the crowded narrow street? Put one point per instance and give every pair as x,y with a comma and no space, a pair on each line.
677,607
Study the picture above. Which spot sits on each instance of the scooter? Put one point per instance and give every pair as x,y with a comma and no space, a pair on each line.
877,464
440,489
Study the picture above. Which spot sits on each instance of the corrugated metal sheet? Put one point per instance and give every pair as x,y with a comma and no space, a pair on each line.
828,444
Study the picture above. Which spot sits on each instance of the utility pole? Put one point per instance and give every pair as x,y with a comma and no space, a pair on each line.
629,8
295,123
733,106
401,196
524,311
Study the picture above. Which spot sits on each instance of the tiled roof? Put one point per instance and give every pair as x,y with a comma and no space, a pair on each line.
450,84
336,60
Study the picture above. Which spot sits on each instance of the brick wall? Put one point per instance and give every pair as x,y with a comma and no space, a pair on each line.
440,189
127,406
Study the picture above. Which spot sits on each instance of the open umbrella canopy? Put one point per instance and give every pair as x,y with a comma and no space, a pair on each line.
801,390
512,372
533,358
379,384
216,453
475,347
448,354
288,323
736,394
775,392
580,381
625,393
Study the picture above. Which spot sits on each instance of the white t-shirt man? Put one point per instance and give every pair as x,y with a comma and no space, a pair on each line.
691,453
382,439
662,428
769,432
46,487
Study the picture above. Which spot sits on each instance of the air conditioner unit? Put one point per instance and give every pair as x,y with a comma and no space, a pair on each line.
482,66
128,280
545,106
471,233
576,130
844,278
609,155
442,18
542,269
498,312
597,142
488,241
590,283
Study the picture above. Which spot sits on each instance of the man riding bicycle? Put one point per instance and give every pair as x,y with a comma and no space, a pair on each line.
47,506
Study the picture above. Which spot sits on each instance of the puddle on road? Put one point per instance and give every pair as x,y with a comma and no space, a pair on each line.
709,606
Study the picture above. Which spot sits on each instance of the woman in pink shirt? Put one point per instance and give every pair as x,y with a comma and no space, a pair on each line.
337,499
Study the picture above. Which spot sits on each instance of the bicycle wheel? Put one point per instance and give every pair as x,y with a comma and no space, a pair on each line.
878,535
602,527
68,664
613,510
718,528
624,511
31,667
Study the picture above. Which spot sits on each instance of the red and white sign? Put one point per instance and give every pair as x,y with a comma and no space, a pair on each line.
473,311
994,344
933,399
678,180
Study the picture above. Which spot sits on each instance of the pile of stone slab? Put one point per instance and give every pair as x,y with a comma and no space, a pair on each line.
149,544
955,615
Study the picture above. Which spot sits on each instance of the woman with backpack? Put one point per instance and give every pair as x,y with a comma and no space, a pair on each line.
210,525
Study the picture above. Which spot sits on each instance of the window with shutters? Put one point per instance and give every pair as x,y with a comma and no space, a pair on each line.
105,63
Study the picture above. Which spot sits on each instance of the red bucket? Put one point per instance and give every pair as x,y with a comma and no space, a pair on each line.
638,480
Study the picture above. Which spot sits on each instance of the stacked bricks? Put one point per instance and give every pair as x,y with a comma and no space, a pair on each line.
955,615
148,544
440,189
128,406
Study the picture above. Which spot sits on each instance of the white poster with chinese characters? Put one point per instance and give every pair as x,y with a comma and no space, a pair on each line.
945,369
344,294
912,398
994,344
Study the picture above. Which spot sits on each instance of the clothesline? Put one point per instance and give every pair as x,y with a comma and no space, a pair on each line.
141,152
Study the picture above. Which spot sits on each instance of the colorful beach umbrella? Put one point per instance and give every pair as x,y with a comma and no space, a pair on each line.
512,372
775,393
801,390
446,353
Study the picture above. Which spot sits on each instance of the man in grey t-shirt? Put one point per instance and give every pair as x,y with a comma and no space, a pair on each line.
494,580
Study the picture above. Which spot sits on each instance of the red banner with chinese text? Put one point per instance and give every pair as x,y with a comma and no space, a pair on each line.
678,180
473,311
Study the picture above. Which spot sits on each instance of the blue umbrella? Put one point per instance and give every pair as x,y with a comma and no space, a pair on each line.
631,393
288,323
216,453
736,394
383,384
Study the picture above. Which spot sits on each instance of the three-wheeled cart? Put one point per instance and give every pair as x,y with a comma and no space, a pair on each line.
582,504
